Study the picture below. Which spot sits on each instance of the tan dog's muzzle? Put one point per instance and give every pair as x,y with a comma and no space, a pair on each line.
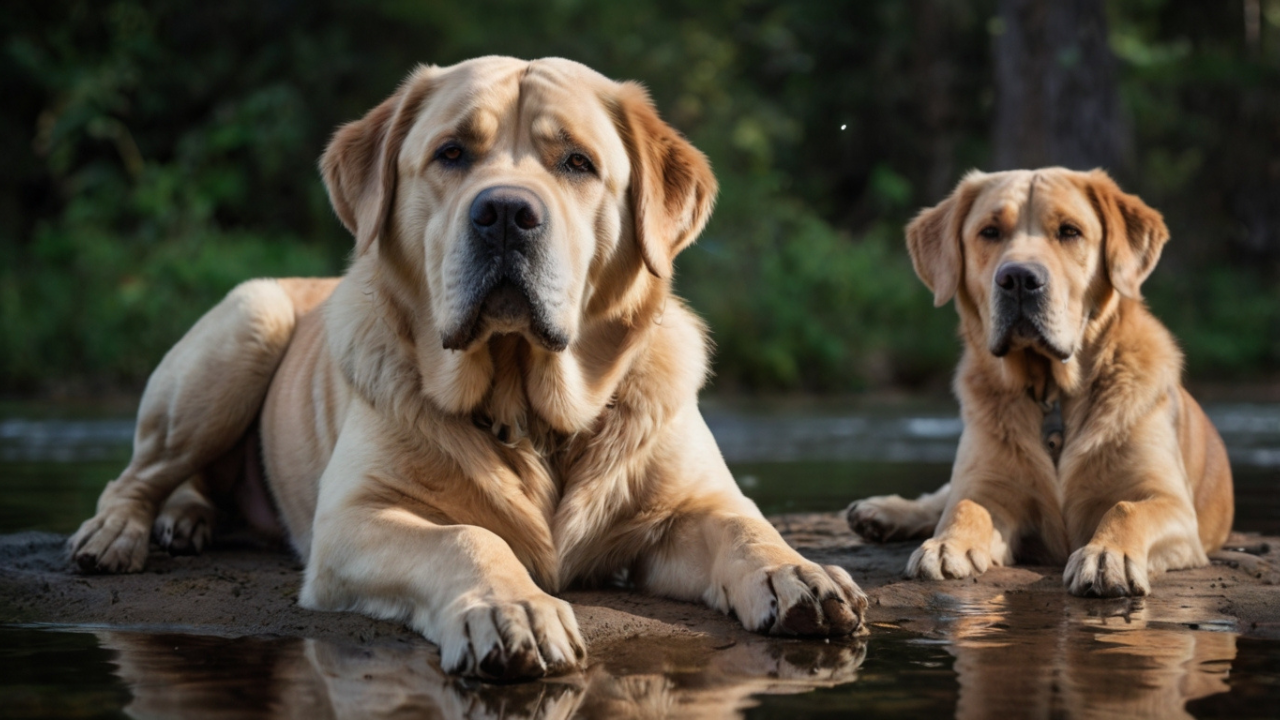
1020,299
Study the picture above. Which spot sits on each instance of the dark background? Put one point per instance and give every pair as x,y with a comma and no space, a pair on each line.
156,153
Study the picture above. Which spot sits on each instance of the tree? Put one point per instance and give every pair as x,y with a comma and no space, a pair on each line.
1056,98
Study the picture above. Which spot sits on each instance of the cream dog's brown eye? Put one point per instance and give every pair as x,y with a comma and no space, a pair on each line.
577,162
990,232
450,154
1067,232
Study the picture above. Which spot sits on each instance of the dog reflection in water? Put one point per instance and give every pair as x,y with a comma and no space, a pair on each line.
206,677
1017,657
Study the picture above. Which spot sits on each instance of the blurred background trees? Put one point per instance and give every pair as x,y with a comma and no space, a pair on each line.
156,153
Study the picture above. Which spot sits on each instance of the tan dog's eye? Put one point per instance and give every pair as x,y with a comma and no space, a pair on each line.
990,232
1068,232
577,162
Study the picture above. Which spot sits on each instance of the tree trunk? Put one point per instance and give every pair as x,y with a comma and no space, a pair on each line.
1056,99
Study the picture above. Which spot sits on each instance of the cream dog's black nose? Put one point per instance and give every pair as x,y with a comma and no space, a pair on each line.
1021,279
507,217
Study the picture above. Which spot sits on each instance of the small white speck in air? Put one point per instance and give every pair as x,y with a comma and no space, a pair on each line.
843,127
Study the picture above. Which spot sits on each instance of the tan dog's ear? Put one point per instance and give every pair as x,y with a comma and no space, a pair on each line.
1134,234
359,166
672,187
933,239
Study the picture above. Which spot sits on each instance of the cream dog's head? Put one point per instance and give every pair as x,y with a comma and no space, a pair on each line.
1031,254
506,199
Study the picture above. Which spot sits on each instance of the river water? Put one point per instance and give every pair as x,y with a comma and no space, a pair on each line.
815,456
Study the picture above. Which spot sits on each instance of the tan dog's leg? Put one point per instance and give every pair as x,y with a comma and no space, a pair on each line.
989,489
197,404
1134,541
740,563
461,586
889,518
1131,513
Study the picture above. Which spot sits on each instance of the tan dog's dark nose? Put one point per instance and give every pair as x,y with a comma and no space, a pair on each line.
1021,279
507,218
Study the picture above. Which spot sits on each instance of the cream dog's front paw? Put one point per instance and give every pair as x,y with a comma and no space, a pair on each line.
1097,570
185,527
512,640
798,599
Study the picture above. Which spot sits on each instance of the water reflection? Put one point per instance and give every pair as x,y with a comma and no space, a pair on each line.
187,676
1033,654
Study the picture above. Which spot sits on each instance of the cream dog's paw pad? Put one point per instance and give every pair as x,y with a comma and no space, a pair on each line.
1106,572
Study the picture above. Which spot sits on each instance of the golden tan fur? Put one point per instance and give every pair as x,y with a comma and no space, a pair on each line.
1142,484
442,462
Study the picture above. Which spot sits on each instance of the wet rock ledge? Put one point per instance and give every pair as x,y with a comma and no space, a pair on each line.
238,590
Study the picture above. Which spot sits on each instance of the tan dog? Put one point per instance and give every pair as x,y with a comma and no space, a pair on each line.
1079,444
497,400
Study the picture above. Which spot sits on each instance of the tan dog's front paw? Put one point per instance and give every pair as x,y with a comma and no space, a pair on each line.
115,540
962,549
941,558
1099,571
508,641
800,599
887,518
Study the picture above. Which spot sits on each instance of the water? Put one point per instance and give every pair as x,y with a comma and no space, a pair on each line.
1062,657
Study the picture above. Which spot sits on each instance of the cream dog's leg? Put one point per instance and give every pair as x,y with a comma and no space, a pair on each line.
739,563
888,518
197,404
374,551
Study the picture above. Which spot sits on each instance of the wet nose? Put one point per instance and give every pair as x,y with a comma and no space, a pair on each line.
1019,279
507,218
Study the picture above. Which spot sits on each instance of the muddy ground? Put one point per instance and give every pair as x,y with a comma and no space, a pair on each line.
649,656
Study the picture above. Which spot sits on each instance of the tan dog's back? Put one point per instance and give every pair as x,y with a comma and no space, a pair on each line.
1208,469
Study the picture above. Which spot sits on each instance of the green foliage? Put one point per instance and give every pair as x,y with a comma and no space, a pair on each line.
1227,321
159,152
802,306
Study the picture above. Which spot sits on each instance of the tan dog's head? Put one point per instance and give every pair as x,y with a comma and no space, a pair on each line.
520,196
1033,253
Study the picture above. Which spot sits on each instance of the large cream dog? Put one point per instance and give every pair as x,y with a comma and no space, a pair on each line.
1079,444
498,399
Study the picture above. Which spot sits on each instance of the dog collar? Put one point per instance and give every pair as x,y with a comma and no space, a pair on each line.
1052,428
509,435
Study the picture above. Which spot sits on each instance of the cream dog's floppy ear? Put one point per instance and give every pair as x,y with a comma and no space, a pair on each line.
359,166
672,187
1134,234
933,239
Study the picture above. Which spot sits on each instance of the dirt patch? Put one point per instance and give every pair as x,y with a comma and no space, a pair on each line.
647,652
